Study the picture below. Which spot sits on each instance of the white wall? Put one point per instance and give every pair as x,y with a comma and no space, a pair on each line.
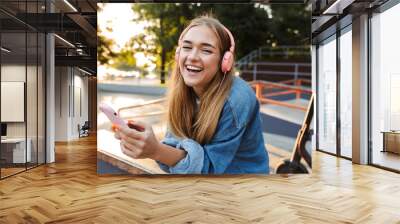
12,73
62,81
71,94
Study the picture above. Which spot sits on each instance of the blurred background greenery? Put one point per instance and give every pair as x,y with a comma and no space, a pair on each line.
149,49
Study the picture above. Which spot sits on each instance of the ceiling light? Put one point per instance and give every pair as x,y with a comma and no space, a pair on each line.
337,7
84,71
64,40
70,5
5,49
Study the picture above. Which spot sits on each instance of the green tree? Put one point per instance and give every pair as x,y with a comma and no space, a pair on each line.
167,21
104,44
104,49
291,25
247,23
125,60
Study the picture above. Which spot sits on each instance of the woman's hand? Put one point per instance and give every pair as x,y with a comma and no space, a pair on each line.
138,141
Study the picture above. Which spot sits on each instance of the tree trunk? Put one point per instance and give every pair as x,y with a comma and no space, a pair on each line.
163,58
163,53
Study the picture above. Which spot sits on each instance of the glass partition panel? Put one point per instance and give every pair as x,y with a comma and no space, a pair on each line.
327,95
22,64
13,92
32,86
346,92
41,98
385,89
31,98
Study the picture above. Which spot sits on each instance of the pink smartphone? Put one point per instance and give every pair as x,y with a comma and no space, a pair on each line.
112,115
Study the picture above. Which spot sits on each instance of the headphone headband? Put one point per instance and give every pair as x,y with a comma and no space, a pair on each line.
232,48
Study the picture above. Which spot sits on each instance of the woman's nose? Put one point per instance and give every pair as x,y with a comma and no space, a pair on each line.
193,55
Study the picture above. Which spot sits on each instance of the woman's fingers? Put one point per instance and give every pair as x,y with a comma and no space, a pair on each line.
117,135
136,143
128,152
131,133
137,125
132,144
114,127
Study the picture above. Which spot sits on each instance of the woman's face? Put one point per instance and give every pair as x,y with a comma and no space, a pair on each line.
199,57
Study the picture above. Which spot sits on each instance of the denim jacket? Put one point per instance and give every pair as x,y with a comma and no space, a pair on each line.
237,146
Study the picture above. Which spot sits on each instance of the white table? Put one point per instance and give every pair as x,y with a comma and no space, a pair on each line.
19,155
109,150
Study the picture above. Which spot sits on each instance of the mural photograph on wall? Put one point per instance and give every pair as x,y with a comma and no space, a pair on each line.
204,88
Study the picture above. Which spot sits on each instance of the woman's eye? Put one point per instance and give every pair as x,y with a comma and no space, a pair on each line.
186,47
207,51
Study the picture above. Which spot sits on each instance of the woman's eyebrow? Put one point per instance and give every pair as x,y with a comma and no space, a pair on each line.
204,44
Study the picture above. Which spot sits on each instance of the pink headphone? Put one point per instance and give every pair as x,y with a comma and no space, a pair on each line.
227,59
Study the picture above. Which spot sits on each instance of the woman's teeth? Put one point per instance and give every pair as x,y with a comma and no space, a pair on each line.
193,68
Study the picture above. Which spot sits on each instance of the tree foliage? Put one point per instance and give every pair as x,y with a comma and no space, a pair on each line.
251,25
167,22
104,44
291,25
104,51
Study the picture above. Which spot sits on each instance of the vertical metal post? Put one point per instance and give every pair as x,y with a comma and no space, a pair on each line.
26,114
369,89
360,90
338,96
259,91
0,96
317,97
297,82
255,72
50,92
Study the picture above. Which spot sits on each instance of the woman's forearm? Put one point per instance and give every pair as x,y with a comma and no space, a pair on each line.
169,155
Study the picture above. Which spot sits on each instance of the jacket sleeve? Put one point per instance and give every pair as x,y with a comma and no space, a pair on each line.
192,163
211,158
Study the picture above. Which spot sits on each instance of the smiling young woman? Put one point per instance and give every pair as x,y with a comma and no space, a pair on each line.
214,125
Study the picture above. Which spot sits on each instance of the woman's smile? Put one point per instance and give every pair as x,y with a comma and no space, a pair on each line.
193,70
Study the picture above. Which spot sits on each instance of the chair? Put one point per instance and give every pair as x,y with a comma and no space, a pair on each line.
84,130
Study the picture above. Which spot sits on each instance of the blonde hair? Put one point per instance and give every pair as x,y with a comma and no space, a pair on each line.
184,120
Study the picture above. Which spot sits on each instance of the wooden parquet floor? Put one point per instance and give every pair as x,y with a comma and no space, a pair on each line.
9,171
69,191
